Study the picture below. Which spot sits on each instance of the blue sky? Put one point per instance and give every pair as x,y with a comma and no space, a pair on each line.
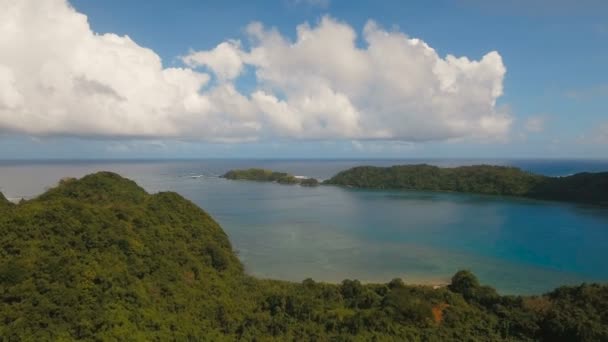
555,89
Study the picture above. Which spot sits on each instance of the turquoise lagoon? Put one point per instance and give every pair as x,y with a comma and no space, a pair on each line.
330,233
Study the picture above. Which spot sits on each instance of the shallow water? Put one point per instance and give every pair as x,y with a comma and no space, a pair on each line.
330,233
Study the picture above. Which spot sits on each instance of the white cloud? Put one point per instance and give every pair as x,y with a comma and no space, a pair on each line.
224,60
57,77
395,87
535,124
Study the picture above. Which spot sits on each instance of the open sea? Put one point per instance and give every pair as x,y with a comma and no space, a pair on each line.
330,233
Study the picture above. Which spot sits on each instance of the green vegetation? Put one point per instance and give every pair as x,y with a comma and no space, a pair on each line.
309,182
262,175
480,179
581,187
4,203
99,259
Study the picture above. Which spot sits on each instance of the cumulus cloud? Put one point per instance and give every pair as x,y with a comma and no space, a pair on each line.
58,77
225,60
323,85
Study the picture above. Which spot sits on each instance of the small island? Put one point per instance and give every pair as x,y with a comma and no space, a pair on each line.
584,187
263,175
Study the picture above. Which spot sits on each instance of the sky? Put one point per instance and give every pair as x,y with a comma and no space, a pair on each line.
303,79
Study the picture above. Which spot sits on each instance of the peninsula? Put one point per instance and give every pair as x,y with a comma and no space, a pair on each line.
479,179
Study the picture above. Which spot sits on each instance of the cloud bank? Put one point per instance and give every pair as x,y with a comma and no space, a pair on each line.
58,77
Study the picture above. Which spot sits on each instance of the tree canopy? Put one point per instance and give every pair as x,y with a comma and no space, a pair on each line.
4,203
480,179
100,259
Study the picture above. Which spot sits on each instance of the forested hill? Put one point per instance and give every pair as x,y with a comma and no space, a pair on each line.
100,259
480,179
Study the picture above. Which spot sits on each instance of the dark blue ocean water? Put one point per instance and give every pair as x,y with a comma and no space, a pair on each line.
331,233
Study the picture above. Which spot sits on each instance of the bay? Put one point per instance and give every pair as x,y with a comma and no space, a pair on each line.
330,233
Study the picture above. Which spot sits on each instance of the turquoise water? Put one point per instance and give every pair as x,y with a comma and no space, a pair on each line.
331,233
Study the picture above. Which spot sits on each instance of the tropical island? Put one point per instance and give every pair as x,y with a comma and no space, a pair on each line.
263,175
479,179
98,258
586,187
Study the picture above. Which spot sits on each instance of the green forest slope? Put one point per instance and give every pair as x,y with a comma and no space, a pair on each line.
480,179
99,259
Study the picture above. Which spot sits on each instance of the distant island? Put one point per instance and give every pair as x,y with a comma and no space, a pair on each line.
263,175
479,179
590,188
98,258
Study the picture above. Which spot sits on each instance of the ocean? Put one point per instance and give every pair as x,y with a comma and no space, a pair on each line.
329,233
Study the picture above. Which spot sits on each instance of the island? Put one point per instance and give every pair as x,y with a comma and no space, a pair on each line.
479,179
263,175
99,258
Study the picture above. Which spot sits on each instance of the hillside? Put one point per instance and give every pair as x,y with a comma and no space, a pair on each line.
480,179
100,259
4,203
